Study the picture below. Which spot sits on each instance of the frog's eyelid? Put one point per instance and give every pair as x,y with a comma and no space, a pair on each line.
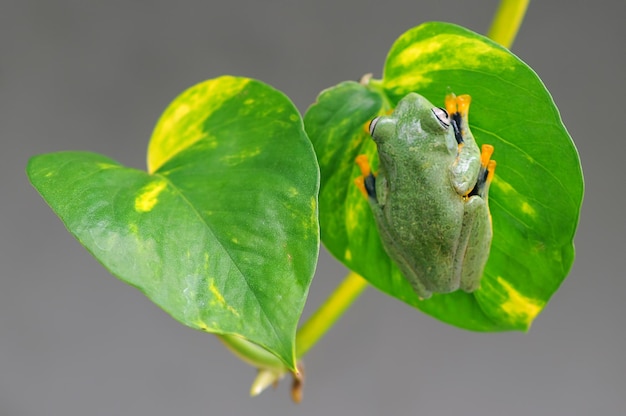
442,116
372,125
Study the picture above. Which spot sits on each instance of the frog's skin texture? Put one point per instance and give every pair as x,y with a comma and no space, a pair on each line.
429,196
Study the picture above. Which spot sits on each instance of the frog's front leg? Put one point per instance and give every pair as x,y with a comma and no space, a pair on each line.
465,169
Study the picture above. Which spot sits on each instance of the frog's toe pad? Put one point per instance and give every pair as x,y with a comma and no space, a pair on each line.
360,183
486,162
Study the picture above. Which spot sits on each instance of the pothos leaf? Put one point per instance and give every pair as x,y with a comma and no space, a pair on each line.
534,199
222,233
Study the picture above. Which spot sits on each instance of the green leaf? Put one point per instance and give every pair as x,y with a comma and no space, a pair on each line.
535,197
223,233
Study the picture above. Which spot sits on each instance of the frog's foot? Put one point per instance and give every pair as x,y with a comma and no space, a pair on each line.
487,170
366,182
458,110
488,165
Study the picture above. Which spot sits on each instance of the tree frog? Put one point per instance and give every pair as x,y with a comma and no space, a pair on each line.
429,196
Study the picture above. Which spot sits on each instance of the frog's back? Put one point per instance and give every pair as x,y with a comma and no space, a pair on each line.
424,211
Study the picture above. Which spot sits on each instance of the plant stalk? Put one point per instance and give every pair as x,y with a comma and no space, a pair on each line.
308,335
327,314
507,20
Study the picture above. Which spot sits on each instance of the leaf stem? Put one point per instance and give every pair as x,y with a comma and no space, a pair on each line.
507,21
330,311
308,335
271,369
377,86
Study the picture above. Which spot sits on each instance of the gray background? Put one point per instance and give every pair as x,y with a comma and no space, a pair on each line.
96,75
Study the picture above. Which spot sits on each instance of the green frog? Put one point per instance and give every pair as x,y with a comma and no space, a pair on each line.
429,196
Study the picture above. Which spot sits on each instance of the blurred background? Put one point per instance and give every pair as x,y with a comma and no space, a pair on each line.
90,75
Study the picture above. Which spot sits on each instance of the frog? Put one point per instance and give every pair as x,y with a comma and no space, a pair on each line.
429,197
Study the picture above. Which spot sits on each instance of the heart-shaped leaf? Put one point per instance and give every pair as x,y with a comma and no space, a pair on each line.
222,233
534,199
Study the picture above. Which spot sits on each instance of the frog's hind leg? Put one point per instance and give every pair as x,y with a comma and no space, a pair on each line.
466,166
366,182
473,249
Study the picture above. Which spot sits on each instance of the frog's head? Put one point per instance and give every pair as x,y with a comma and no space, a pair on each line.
414,122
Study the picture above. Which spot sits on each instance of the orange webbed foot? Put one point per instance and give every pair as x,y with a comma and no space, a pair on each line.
363,163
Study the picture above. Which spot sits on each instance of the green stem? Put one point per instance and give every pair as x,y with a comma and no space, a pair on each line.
271,369
308,335
507,21
326,316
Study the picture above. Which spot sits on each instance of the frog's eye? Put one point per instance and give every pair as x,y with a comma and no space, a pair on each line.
372,125
442,116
